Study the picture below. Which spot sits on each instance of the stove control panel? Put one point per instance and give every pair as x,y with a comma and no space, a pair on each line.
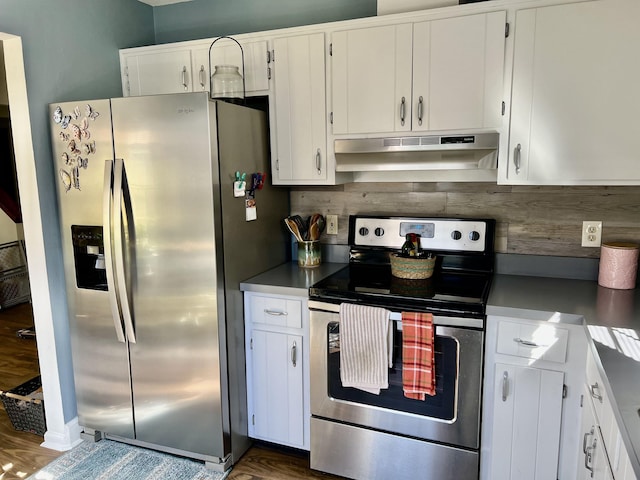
467,235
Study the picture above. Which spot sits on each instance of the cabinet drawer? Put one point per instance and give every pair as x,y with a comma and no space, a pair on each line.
539,342
280,312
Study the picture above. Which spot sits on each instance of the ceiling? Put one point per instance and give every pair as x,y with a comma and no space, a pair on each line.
157,3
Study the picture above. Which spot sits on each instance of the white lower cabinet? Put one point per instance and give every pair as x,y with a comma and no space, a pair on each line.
277,332
593,464
533,378
277,413
603,454
527,411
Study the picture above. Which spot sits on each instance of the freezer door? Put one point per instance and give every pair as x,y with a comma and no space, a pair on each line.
81,144
170,251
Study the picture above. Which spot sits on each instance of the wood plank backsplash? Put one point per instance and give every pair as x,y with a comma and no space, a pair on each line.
530,220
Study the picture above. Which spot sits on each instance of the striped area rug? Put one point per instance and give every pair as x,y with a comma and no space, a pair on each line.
109,460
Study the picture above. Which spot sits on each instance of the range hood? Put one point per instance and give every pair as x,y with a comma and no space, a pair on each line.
432,152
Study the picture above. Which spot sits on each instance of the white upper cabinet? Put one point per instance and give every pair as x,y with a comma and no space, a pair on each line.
371,74
458,67
184,67
226,52
154,72
435,75
575,96
298,117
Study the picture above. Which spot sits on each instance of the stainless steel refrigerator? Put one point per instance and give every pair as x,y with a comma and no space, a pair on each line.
155,243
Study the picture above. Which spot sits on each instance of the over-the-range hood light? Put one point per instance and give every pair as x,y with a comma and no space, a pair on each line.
433,152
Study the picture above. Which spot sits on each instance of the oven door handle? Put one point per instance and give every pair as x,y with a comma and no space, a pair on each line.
439,320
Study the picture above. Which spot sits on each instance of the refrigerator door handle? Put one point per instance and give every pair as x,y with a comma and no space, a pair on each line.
108,259
118,179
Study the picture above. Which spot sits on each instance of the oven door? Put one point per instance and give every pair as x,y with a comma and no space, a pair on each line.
452,416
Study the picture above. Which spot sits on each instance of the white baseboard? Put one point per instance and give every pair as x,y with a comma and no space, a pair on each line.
63,441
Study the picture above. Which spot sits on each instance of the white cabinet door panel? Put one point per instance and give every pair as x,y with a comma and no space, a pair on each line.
300,109
227,52
527,418
277,387
159,72
575,95
458,70
371,77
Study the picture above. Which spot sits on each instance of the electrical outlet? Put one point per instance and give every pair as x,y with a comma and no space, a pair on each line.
332,224
591,234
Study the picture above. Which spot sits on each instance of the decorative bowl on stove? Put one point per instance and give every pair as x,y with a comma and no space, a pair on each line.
414,268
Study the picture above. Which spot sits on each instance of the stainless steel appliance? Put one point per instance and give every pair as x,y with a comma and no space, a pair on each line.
366,436
155,244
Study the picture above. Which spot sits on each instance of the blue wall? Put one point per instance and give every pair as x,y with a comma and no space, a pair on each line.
70,53
211,18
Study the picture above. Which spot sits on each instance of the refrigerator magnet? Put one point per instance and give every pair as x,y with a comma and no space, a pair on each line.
251,213
66,179
90,112
57,115
238,188
239,185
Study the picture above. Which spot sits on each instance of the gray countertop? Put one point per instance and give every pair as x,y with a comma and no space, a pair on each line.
289,279
612,320
611,317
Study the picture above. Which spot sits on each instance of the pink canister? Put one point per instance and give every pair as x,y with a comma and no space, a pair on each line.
618,265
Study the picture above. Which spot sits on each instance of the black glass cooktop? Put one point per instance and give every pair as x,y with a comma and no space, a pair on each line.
446,292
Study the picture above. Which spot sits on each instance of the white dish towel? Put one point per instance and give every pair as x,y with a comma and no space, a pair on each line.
365,347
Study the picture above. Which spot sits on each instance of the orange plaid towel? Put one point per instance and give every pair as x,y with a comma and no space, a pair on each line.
418,366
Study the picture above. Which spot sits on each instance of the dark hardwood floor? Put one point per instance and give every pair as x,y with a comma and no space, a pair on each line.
268,462
21,454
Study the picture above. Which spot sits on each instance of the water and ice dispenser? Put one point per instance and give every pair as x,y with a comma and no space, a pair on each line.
88,253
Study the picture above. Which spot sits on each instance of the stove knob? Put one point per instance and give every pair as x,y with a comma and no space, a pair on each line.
379,232
474,236
364,231
456,235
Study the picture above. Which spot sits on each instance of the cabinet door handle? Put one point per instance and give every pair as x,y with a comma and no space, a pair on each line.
517,157
319,162
586,437
184,77
420,107
505,386
294,354
595,389
203,77
275,313
588,456
526,343
402,111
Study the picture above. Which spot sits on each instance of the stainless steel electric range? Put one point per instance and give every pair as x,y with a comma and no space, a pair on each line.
366,436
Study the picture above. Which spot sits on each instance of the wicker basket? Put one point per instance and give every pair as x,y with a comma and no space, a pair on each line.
413,268
25,407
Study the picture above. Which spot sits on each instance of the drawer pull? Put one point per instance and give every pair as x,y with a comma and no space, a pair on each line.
275,313
526,343
595,392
